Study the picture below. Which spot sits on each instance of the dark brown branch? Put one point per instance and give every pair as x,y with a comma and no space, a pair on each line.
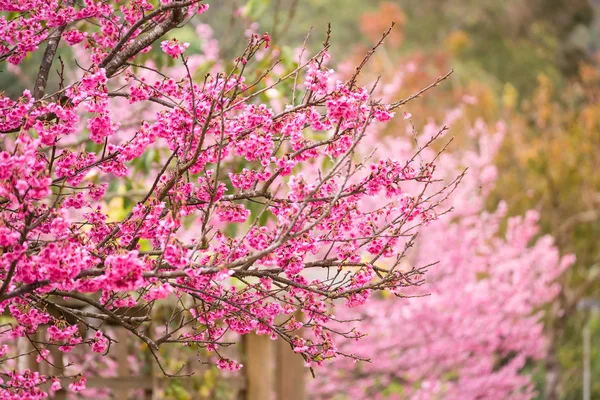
42,77
116,58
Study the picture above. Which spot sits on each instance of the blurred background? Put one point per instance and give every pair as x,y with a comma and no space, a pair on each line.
531,64
534,65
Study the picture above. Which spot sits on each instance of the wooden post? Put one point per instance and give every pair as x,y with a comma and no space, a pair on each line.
32,364
149,392
258,367
121,353
58,369
290,375
290,371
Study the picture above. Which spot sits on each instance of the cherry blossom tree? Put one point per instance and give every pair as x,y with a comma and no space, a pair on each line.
247,215
469,331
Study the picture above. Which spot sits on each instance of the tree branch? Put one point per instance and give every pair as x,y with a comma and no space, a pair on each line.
42,78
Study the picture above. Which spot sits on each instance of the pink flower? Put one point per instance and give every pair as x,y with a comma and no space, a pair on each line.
100,343
43,355
202,8
223,274
158,292
74,36
173,47
55,386
317,79
3,350
228,365
79,384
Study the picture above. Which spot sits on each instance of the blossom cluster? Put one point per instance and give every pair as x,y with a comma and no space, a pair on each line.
248,215
470,330
174,47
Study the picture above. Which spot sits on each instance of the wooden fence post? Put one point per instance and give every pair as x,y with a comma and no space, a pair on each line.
290,371
290,376
58,369
149,392
258,366
122,351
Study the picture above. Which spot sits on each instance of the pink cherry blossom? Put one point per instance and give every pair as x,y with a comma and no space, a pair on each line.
79,384
174,47
479,321
249,212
